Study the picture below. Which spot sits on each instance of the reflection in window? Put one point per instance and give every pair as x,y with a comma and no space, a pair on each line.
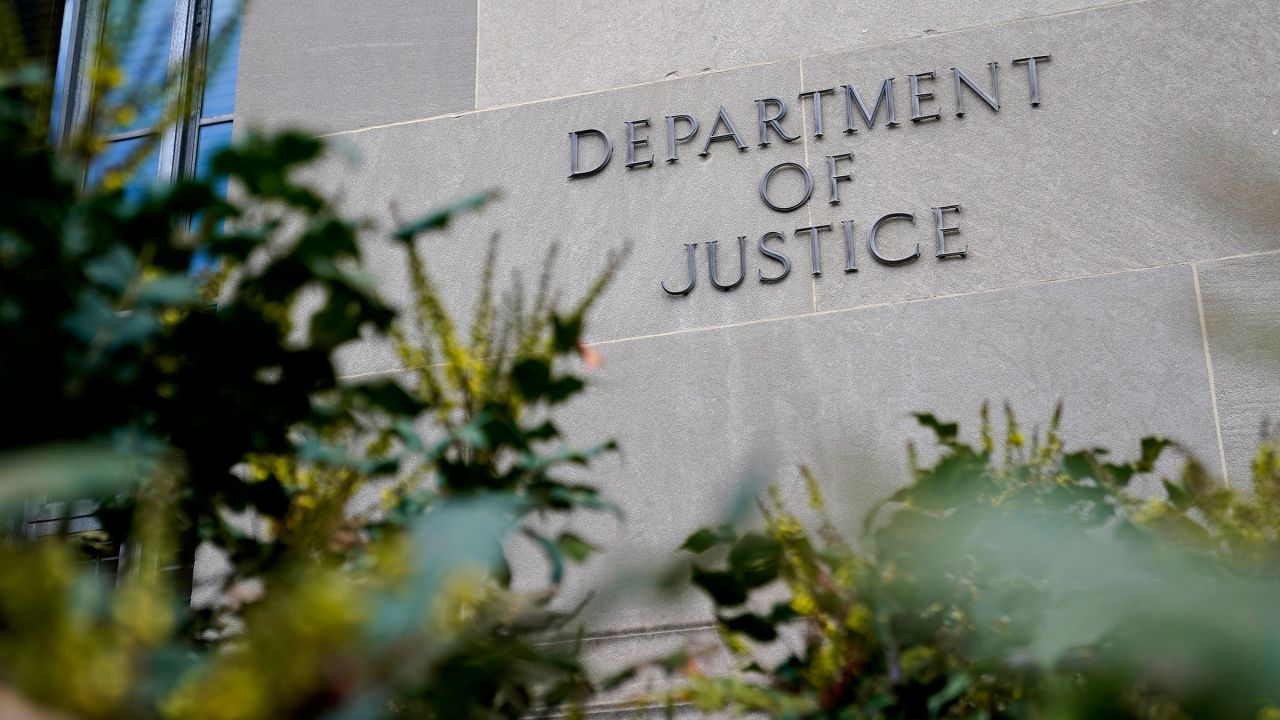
224,59
218,102
115,160
36,39
138,153
140,32
213,138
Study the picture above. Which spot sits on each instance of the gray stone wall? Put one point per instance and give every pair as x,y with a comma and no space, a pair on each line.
1121,236
336,65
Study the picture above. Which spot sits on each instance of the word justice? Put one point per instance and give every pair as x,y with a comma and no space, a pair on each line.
944,228
683,128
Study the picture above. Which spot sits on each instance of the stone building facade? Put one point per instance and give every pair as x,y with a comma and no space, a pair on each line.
1118,217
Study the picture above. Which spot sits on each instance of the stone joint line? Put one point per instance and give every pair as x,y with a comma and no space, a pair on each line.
1191,264
1208,363
778,61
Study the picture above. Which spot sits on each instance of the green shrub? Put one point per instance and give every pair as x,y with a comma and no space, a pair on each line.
1019,582
178,403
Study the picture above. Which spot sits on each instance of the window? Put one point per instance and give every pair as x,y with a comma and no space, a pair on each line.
40,27
150,38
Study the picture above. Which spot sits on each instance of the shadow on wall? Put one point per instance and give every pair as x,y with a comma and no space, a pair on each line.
1232,180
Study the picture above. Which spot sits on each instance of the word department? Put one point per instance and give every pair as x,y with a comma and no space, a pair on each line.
771,118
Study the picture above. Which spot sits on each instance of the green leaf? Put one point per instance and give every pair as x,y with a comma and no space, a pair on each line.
707,538
957,479
1079,465
564,388
68,471
547,430
554,555
751,625
532,377
754,559
440,218
615,681
724,588
574,496
1152,448
91,315
408,434
134,329
574,547
1178,497
169,290
566,331
955,687
946,432
453,535
340,318
114,269
782,612
536,463
1120,474
389,396
674,661
326,240
473,433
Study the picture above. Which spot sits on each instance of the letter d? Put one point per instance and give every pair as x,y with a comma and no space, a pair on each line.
574,172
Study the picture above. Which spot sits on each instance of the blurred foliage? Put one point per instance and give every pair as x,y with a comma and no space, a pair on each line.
1019,581
204,411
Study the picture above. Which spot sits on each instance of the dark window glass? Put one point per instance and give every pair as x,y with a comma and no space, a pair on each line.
62,73
40,23
224,58
140,32
117,155
212,139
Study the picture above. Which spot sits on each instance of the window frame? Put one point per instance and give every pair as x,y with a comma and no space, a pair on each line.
84,25
178,145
